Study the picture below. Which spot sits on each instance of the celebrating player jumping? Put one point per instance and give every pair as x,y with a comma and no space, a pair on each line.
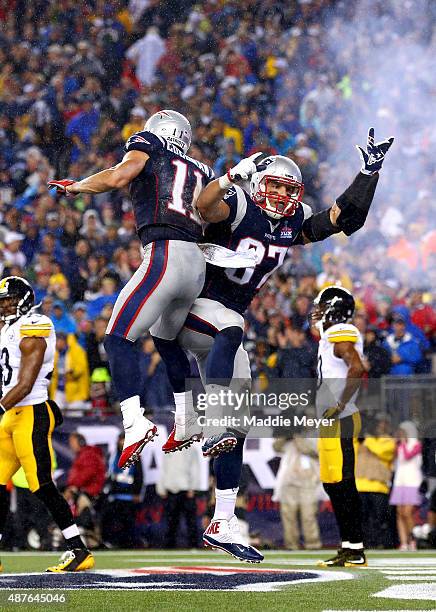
164,185
269,219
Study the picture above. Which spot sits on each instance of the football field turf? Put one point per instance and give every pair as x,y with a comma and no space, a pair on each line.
211,581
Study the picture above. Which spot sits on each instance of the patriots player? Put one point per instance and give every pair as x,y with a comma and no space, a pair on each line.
269,219
164,185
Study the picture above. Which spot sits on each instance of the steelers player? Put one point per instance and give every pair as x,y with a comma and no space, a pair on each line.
340,370
27,345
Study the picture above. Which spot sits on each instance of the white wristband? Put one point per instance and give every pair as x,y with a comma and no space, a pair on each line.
224,182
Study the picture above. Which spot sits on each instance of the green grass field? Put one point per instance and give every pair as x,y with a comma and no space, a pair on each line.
128,581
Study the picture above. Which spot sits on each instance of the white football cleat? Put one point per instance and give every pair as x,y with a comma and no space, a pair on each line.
185,432
137,436
225,535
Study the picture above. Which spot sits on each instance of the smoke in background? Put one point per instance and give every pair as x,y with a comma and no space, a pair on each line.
384,53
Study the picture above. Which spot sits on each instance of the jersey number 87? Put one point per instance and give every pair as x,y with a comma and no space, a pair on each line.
274,252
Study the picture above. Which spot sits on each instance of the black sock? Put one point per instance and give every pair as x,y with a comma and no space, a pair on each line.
333,490
347,508
353,504
60,511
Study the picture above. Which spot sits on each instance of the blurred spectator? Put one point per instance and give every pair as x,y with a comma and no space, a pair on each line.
69,385
154,379
87,473
123,490
97,357
12,254
276,81
377,357
404,351
146,53
373,480
407,480
62,321
179,479
295,359
296,490
332,274
135,123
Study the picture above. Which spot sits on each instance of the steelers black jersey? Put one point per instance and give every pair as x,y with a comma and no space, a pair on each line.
164,193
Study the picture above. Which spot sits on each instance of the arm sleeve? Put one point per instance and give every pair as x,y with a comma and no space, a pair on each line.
146,142
355,203
409,454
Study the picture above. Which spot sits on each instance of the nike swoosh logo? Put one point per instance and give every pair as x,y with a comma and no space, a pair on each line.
357,562
19,412
240,548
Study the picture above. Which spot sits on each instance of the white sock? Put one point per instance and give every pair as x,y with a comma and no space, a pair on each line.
184,405
355,546
225,503
131,410
71,532
345,544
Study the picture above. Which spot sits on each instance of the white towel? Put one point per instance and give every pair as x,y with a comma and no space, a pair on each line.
225,258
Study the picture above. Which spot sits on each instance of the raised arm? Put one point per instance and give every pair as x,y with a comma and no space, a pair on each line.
350,210
210,203
117,177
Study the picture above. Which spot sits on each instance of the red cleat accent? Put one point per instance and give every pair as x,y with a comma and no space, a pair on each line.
131,454
172,445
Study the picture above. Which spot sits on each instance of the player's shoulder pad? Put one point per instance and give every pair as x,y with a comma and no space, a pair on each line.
231,194
236,198
36,325
307,210
146,142
343,332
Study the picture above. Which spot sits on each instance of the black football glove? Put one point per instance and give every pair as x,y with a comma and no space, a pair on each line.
373,157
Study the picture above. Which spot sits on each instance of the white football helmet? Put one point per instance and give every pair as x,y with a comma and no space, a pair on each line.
277,169
172,126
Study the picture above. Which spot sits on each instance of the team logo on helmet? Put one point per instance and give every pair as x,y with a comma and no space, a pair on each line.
16,298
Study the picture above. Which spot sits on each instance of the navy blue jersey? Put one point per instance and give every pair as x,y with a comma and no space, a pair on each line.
164,193
248,227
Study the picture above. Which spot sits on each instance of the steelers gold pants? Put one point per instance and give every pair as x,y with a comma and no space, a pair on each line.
25,440
337,446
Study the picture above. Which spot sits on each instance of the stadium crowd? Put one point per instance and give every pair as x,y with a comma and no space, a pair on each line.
76,83
77,78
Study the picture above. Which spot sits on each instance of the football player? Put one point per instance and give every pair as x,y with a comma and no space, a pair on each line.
269,219
164,185
27,343
340,370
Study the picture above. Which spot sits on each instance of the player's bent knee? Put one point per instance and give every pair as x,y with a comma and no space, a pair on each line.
232,336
